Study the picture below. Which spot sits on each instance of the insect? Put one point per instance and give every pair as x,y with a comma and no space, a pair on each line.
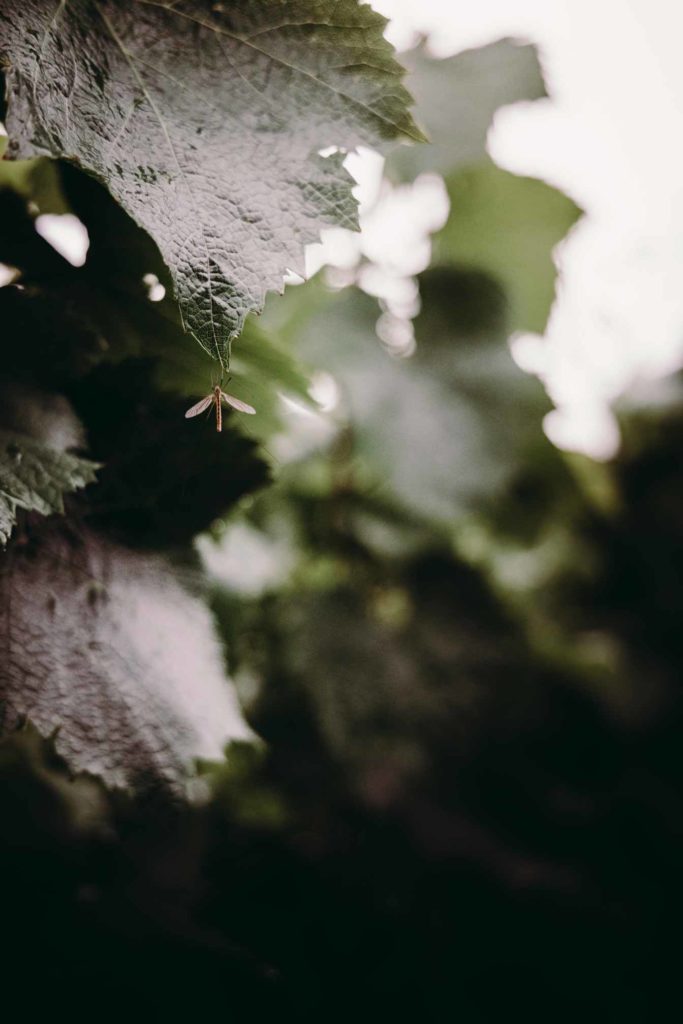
215,398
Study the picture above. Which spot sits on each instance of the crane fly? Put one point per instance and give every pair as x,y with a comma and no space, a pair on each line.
216,397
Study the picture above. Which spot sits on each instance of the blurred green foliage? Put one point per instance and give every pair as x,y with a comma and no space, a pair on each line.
456,99
507,226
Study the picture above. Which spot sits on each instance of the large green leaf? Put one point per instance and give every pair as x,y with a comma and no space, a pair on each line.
204,121
456,98
101,312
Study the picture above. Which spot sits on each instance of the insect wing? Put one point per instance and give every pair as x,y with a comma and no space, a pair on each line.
237,404
199,408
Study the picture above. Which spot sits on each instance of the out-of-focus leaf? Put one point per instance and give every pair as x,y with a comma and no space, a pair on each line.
456,98
636,587
447,428
110,653
242,790
205,122
36,180
42,804
500,224
399,665
507,226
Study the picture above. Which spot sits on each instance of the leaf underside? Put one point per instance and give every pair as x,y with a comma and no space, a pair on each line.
205,122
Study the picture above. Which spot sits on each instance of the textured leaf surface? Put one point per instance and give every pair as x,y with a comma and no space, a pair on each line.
35,477
79,317
205,121
105,647
456,98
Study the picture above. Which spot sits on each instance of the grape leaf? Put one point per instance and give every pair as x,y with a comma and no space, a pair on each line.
107,649
34,477
79,317
456,99
205,122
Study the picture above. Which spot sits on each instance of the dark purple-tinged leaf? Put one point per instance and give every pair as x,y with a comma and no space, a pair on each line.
107,650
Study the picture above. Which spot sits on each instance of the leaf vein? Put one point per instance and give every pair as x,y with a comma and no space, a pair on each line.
130,58
280,60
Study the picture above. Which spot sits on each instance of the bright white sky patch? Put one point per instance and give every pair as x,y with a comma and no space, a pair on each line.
7,274
397,222
324,390
155,289
246,560
396,231
66,234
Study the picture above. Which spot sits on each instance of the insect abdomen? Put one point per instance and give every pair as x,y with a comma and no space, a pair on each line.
219,410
